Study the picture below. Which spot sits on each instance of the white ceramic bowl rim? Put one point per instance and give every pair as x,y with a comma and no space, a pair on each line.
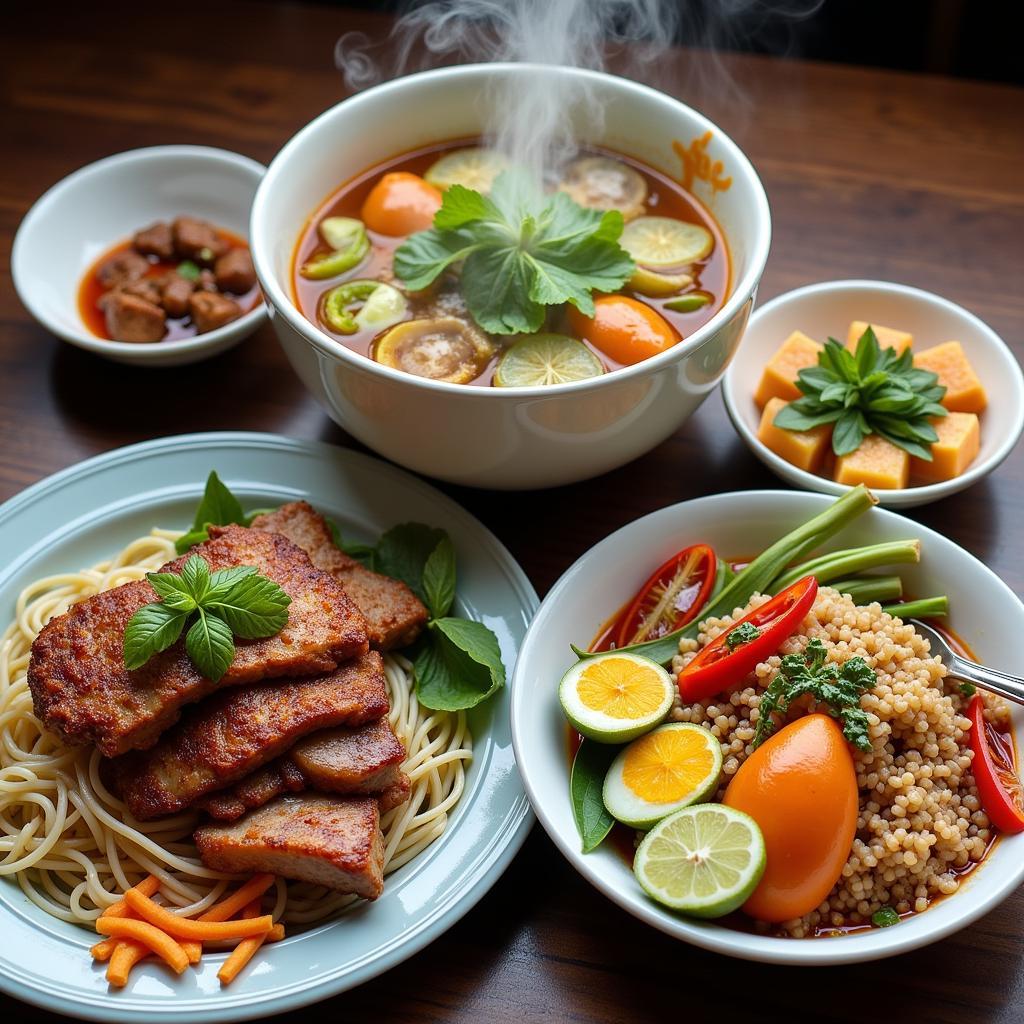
876,944
924,492
281,299
85,338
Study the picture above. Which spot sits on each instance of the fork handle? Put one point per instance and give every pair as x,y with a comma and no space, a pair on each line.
1011,687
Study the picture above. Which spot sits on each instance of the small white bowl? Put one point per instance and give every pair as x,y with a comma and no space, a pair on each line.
99,205
827,309
984,611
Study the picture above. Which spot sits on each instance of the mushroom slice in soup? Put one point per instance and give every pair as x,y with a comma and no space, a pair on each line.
605,184
441,348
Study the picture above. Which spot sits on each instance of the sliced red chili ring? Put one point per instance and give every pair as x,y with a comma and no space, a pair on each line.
673,594
999,786
718,668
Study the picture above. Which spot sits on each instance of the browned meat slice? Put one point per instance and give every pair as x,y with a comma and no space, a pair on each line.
156,240
210,310
236,731
235,272
82,691
394,614
366,761
196,239
176,292
330,841
122,268
130,318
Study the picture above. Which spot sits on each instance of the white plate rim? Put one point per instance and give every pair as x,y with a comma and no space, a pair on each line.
504,844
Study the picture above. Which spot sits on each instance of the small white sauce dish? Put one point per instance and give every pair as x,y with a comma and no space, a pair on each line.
983,610
827,309
101,204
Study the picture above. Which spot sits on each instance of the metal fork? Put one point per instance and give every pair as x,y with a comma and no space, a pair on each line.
959,667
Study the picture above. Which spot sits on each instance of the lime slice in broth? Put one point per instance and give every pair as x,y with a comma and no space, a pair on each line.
542,359
661,242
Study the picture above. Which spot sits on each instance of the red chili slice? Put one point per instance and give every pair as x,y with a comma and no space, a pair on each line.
672,595
999,786
717,669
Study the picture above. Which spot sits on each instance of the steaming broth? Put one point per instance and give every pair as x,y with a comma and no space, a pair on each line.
443,303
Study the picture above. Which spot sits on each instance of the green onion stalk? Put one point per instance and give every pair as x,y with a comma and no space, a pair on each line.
926,608
839,564
866,589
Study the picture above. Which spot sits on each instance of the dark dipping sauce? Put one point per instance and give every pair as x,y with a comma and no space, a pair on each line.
665,198
91,290
624,839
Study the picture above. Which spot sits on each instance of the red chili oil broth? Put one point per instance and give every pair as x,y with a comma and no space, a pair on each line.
666,197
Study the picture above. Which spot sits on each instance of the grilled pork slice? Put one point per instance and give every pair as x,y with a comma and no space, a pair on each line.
394,614
231,734
83,692
327,840
365,761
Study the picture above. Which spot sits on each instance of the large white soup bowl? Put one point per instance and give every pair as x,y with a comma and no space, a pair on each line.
494,437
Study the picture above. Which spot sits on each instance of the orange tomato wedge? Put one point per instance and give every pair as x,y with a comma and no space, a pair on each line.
401,204
624,329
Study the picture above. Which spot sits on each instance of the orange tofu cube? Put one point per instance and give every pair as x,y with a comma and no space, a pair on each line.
964,392
877,463
805,449
957,447
779,378
888,337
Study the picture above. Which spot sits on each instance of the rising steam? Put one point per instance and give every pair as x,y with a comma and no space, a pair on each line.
533,123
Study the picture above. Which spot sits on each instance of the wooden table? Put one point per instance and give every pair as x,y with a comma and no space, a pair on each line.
870,174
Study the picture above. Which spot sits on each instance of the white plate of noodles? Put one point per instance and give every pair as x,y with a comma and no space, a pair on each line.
64,842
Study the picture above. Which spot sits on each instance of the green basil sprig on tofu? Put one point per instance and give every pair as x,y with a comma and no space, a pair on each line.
220,606
457,662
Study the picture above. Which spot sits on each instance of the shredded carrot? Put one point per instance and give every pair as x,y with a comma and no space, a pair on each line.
239,899
104,950
150,936
276,934
126,956
244,951
148,887
188,928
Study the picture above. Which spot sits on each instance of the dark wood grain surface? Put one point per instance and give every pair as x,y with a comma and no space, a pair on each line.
869,174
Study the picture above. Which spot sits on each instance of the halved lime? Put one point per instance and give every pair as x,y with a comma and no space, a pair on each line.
615,697
475,168
546,359
665,241
657,286
704,860
671,767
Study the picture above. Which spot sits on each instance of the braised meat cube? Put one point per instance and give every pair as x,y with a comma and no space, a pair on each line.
234,272
197,240
229,735
331,841
394,614
210,310
122,268
82,691
177,291
130,318
147,288
156,240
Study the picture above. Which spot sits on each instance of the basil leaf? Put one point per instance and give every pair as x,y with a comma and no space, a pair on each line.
195,577
403,551
153,628
218,507
210,646
223,580
586,786
847,435
439,578
789,418
458,665
172,590
253,607
190,539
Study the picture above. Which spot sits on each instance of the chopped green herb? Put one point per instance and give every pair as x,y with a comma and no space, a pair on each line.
742,634
837,689
871,391
687,303
885,918
189,270
968,689
224,604
205,254
521,251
